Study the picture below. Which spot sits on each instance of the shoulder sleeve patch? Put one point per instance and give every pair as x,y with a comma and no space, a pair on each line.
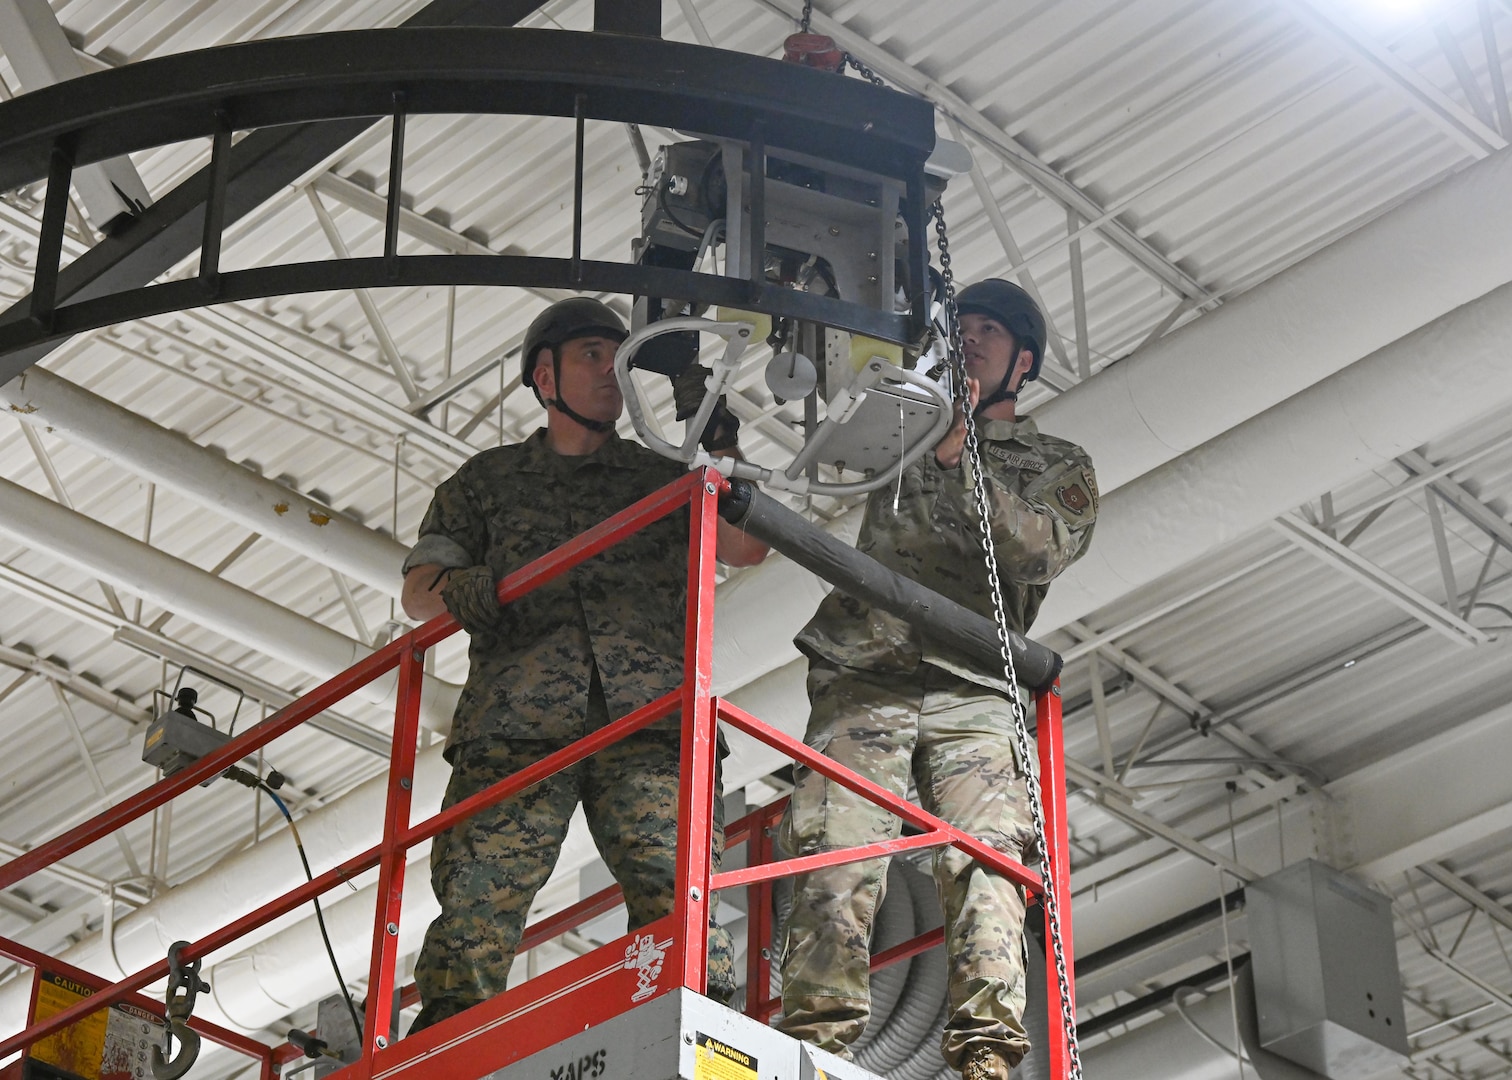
1075,494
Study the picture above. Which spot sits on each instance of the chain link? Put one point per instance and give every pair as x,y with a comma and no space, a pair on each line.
807,17
957,362
861,69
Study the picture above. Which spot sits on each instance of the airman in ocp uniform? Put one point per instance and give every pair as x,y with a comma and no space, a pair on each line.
894,705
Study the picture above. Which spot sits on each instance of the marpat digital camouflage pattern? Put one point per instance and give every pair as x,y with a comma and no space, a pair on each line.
622,611
565,659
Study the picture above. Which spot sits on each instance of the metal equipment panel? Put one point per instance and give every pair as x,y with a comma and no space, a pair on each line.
681,1036
1327,990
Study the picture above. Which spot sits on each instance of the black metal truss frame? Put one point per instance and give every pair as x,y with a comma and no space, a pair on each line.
294,85
262,163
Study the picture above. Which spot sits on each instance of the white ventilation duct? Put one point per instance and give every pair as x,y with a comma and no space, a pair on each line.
1434,380
1442,249
201,597
119,435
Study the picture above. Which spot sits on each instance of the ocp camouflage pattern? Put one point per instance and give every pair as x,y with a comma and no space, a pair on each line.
953,739
1043,498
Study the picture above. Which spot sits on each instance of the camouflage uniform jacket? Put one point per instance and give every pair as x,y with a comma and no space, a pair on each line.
623,610
1043,496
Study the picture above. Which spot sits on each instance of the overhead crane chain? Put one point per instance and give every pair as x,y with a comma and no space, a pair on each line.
805,22
956,358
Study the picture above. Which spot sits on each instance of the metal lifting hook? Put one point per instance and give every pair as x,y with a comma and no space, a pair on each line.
184,983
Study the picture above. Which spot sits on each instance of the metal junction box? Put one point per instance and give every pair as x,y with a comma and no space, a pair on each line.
1328,991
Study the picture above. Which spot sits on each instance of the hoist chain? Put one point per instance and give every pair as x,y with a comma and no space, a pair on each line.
861,69
805,22
957,362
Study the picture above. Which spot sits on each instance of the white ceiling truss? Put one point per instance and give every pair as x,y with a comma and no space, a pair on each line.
1331,681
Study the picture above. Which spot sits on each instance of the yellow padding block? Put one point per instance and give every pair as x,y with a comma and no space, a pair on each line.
863,348
763,323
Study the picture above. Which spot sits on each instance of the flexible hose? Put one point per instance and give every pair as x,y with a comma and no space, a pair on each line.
909,1026
319,915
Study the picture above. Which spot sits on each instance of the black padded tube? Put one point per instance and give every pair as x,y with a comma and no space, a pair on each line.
866,579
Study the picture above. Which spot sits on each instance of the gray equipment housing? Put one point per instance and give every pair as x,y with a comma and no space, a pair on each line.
175,741
1328,991
681,1036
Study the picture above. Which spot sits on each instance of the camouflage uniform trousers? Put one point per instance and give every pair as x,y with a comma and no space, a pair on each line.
486,871
954,739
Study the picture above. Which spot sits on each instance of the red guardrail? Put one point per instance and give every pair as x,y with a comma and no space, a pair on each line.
643,964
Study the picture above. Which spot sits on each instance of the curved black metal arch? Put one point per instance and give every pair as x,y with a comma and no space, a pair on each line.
374,73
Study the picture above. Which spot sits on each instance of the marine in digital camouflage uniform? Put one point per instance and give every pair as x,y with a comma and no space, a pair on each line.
894,706
555,665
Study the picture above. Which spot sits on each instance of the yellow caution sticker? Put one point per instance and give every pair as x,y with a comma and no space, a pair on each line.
114,1043
863,349
78,1048
715,1060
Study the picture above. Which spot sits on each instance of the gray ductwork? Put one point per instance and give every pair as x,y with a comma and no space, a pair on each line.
119,435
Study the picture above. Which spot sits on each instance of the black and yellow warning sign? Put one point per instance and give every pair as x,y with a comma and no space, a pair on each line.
111,1044
715,1060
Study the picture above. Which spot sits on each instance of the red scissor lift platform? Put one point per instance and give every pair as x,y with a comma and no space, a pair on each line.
573,1022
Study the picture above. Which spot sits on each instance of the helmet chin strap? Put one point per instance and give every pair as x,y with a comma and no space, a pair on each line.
560,403
1002,393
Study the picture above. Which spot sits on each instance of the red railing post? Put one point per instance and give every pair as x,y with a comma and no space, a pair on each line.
759,850
696,795
1056,865
391,863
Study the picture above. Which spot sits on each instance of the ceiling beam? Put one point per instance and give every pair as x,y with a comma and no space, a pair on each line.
77,684
1467,892
1313,540
1396,75
1039,174
1454,493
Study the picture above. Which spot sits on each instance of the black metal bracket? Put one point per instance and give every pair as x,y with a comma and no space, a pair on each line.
408,71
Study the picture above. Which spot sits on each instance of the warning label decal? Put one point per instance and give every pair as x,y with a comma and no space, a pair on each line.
114,1043
714,1060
